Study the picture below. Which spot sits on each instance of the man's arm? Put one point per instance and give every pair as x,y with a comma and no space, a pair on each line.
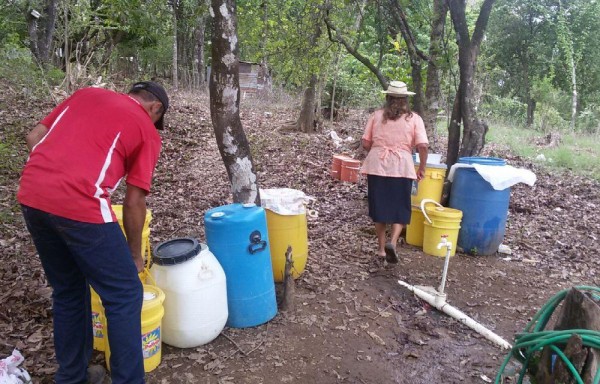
134,216
35,135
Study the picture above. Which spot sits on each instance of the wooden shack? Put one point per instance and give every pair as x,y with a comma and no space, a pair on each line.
254,79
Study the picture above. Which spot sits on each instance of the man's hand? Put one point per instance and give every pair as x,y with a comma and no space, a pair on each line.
139,263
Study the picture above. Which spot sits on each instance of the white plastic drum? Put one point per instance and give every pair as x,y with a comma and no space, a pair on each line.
195,292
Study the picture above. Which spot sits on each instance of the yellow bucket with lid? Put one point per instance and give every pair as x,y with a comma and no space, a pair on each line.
146,251
432,184
440,221
152,314
97,309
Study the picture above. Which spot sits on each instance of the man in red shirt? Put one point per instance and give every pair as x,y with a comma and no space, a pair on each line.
79,154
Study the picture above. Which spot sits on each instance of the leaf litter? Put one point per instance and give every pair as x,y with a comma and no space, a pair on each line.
354,323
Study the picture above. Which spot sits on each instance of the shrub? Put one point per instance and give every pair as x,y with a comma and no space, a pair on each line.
588,120
504,110
547,119
20,71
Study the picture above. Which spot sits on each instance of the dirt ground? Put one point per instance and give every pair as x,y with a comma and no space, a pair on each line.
352,321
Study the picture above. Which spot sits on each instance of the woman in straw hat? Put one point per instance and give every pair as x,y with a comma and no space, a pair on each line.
390,136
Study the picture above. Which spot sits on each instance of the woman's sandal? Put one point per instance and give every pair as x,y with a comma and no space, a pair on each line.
390,254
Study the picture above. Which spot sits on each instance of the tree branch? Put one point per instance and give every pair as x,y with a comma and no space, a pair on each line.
336,37
400,17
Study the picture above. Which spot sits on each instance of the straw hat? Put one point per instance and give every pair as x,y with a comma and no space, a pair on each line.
398,89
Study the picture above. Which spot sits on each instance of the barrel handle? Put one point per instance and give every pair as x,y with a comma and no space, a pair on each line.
256,243
205,272
425,201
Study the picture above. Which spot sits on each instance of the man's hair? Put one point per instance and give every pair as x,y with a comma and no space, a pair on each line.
147,96
395,107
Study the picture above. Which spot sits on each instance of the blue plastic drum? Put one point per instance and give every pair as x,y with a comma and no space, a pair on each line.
237,236
484,209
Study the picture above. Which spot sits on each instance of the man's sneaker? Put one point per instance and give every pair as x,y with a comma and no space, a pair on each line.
96,374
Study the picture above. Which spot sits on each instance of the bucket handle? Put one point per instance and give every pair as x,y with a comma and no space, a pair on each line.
147,275
425,201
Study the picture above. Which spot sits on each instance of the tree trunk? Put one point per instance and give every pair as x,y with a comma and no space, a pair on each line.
529,100
175,61
265,32
530,111
578,312
454,131
67,53
335,75
307,121
432,88
225,103
41,32
565,42
474,129
199,37
574,94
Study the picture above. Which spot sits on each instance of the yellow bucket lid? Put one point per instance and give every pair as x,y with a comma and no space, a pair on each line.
444,212
153,297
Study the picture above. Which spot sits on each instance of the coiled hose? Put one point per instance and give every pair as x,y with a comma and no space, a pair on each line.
534,338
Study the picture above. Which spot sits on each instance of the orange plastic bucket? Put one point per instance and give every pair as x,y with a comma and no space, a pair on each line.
350,170
336,166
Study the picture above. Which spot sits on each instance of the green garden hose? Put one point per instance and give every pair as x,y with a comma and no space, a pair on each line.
533,339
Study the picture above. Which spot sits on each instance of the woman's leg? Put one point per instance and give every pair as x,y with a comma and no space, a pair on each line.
396,230
380,230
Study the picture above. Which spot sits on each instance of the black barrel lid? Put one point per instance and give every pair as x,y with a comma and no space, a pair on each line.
176,251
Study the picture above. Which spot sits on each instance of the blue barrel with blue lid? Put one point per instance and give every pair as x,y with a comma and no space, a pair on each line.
485,209
237,236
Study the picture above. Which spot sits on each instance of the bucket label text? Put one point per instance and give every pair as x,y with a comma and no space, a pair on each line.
151,343
97,325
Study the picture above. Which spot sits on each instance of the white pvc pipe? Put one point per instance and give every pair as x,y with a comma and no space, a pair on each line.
457,314
444,243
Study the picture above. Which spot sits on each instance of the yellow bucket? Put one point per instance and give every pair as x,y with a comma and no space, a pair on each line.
414,230
152,314
287,230
97,308
146,250
97,321
440,221
98,313
432,184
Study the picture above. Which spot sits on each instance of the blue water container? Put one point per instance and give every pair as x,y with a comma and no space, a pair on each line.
484,208
237,236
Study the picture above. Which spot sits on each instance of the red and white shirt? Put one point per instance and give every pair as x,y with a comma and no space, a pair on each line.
95,138
392,144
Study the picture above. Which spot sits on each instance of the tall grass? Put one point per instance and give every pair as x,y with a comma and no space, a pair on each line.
578,152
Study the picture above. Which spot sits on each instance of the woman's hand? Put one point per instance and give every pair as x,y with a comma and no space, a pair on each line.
420,173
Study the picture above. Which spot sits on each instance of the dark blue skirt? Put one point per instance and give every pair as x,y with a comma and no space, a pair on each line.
389,199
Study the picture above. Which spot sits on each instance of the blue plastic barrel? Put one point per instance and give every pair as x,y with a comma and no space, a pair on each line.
237,236
484,208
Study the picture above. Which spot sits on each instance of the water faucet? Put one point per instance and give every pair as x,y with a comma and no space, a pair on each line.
444,243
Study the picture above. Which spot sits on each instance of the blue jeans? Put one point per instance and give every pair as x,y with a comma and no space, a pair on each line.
76,255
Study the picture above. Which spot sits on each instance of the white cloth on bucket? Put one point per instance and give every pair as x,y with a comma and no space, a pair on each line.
10,373
284,201
499,177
